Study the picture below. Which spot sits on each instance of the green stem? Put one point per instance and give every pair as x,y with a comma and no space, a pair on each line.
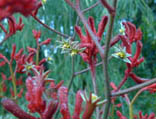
132,102
13,81
37,54
131,111
72,76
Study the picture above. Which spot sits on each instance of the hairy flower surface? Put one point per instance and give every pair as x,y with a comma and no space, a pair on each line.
9,7
90,52
34,94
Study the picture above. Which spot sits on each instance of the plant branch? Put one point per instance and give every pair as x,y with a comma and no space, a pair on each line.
139,86
94,5
110,9
51,29
105,63
85,70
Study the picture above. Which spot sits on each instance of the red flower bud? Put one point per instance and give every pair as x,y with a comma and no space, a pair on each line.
63,97
12,107
46,42
18,55
78,104
37,34
31,50
13,51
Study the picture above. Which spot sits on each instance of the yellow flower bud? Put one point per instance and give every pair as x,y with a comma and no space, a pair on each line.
66,45
121,54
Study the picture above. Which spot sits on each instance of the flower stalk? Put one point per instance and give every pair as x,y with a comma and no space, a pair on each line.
13,80
132,102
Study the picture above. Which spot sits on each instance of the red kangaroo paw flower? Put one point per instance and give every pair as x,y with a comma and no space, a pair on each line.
89,54
12,107
63,97
37,34
34,94
25,7
19,54
90,107
78,104
50,110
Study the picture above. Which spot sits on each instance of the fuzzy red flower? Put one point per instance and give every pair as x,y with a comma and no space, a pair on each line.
89,54
34,93
63,97
25,7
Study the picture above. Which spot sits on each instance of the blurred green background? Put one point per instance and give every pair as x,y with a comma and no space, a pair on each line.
58,15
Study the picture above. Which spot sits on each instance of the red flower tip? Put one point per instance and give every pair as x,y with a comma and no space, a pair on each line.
13,51
37,34
31,50
20,25
46,42
113,86
102,26
42,61
18,55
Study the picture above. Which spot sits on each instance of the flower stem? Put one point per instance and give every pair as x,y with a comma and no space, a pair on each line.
37,54
132,102
93,75
72,75
131,111
13,81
